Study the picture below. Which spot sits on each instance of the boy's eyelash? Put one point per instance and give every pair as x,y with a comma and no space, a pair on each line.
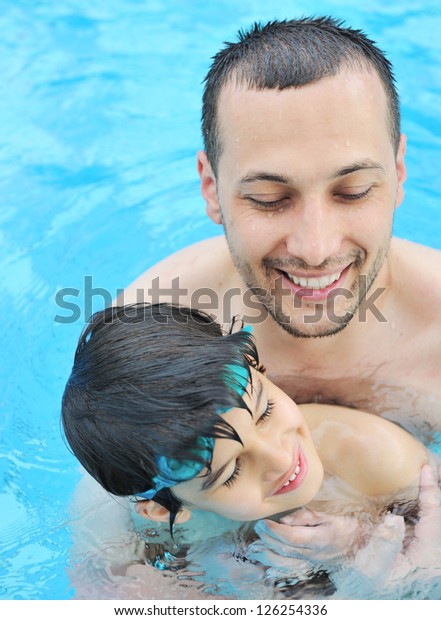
266,414
233,476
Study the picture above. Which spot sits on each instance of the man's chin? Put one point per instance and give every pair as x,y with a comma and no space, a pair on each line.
300,328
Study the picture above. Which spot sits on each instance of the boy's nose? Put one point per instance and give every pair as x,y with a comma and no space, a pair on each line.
275,461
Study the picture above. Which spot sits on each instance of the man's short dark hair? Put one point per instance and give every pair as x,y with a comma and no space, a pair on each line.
290,54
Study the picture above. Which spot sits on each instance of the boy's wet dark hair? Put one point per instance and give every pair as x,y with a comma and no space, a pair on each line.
290,54
147,381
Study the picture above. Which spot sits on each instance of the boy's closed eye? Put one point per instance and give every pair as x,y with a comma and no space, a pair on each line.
261,419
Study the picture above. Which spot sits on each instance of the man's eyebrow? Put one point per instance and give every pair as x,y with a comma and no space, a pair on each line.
365,164
214,476
254,176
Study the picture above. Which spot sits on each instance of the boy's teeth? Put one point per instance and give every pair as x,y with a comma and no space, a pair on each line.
293,476
315,283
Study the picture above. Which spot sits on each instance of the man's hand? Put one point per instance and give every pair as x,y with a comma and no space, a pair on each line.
396,565
381,553
424,549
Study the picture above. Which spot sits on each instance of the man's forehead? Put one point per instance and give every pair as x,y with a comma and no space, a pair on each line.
352,95
235,89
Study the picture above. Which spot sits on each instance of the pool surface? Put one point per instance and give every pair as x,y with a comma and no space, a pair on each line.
99,122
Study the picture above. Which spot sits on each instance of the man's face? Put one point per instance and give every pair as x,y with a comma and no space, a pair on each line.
306,189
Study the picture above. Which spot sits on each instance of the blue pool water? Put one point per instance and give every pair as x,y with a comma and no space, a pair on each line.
99,125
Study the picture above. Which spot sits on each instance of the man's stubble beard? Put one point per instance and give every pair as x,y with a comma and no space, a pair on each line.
358,291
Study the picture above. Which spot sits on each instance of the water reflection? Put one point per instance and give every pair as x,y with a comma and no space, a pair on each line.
114,556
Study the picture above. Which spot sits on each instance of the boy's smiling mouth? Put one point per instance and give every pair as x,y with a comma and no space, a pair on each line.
294,478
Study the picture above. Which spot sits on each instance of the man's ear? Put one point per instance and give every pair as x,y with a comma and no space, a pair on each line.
209,188
401,170
155,512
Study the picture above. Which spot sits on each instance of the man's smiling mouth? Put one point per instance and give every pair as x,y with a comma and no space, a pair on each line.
315,283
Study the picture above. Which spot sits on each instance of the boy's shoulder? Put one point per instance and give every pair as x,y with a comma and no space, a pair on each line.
371,453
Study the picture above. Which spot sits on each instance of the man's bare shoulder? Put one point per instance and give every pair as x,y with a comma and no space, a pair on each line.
206,264
413,256
417,274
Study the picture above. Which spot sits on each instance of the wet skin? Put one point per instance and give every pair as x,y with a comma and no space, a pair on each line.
276,469
315,224
323,157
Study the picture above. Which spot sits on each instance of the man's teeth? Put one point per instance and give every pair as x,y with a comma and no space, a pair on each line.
293,475
315,283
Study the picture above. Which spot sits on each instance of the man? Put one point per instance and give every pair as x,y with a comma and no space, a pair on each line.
304,168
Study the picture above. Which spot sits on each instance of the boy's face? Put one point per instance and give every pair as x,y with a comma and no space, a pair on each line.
277,469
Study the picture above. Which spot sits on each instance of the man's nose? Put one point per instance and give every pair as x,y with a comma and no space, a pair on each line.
314,233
